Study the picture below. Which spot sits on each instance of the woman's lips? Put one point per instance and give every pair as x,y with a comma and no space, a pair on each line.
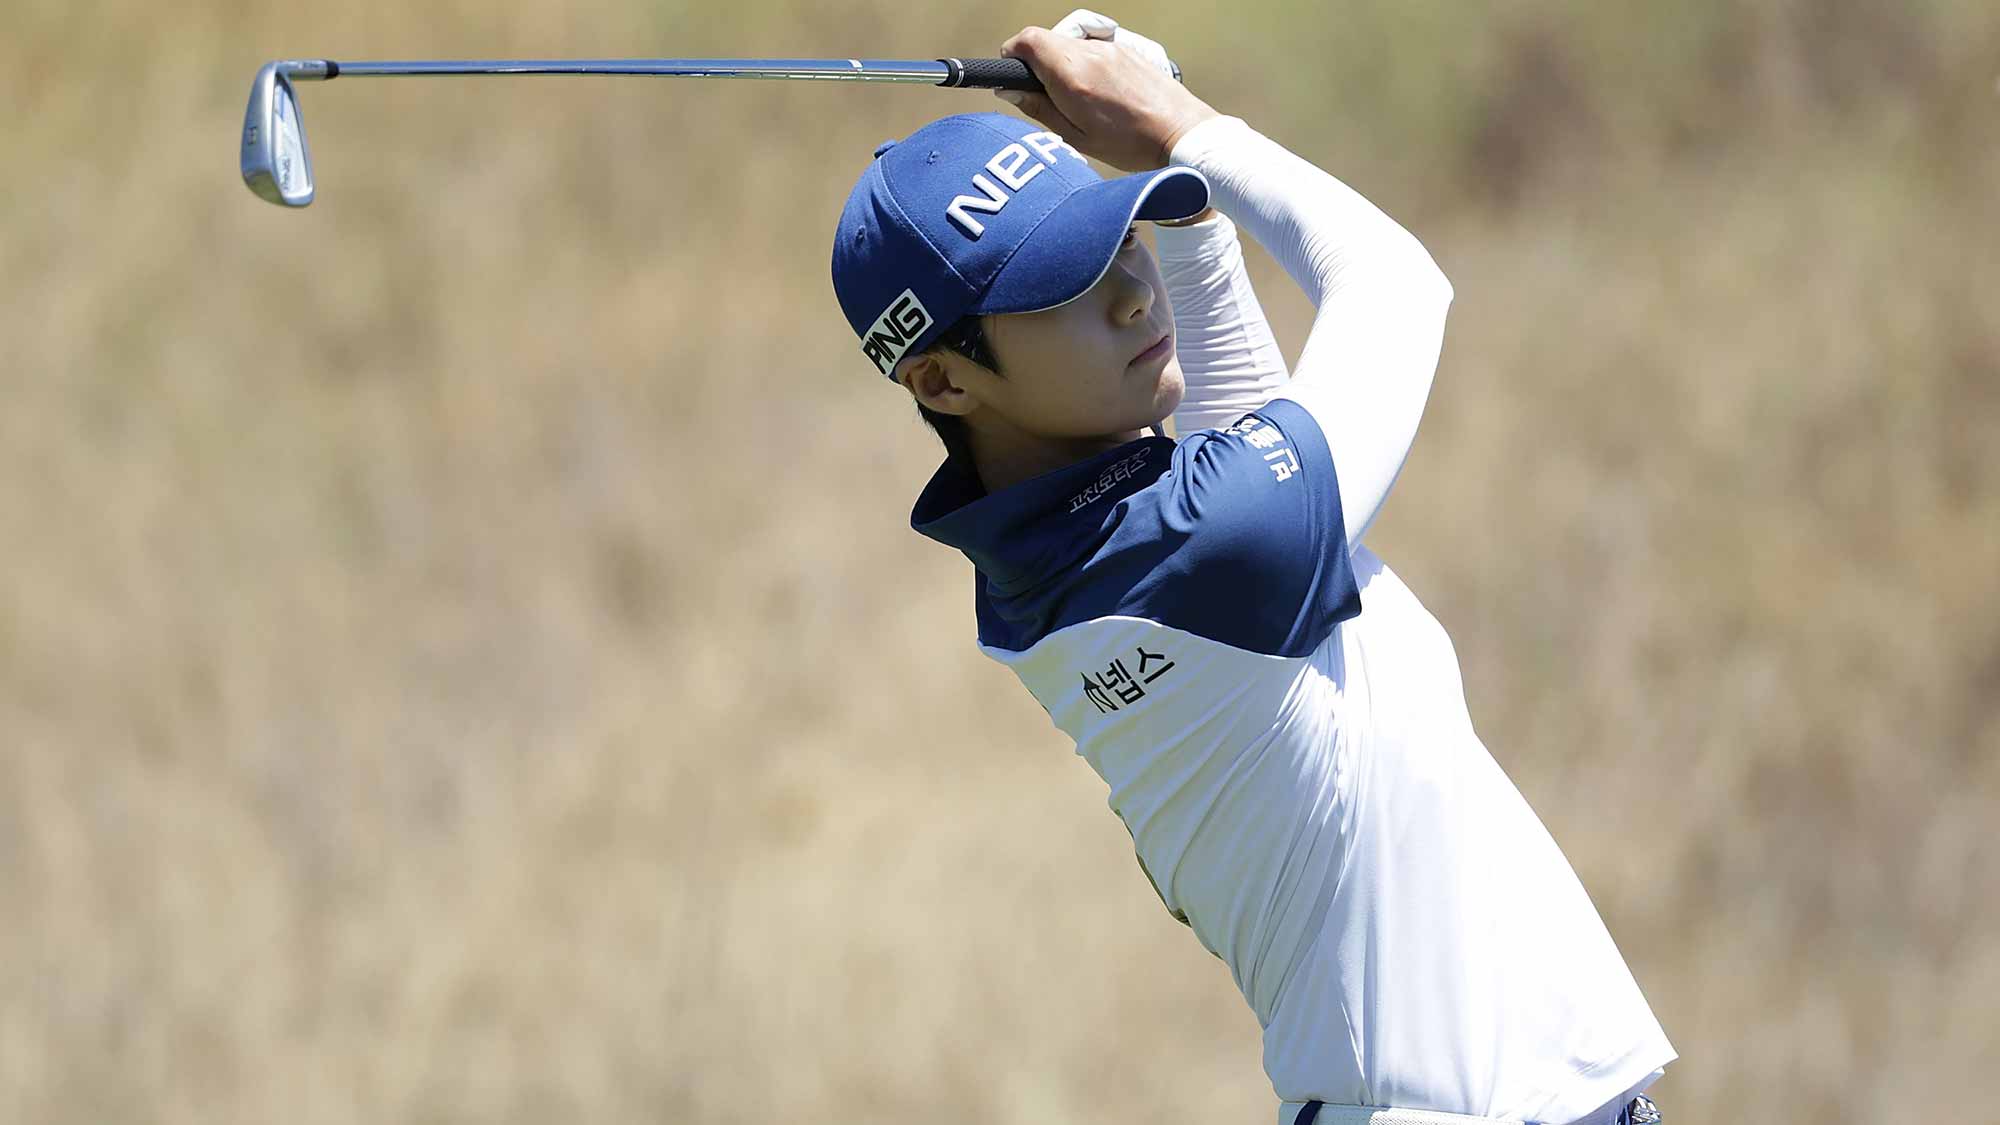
1157,351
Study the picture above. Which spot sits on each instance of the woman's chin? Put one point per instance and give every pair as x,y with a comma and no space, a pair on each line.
1171,388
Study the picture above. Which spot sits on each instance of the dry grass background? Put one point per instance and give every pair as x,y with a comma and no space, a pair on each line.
463,657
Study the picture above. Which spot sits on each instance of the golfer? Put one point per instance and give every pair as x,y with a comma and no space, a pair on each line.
1280,722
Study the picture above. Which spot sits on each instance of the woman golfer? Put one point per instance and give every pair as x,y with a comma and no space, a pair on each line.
1281,723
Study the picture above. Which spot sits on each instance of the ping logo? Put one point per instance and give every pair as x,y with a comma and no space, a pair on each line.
890,337
1013,168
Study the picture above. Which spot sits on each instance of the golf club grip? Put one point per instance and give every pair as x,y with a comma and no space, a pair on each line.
990,74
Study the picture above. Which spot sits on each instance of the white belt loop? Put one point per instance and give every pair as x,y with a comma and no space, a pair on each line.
1330,1114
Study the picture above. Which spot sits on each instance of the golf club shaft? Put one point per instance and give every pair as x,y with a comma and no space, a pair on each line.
990,74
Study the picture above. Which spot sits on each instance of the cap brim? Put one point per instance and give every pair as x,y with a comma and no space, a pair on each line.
1074,246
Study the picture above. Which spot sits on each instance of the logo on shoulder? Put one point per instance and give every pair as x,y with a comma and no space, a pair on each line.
1122,471
892,335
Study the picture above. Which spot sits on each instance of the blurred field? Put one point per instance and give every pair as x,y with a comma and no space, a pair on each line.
463,657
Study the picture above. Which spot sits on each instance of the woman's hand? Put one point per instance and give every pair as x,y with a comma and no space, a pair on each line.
1086,24
1111,102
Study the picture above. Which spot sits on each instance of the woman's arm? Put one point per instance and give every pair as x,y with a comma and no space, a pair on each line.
1223,340
1367,365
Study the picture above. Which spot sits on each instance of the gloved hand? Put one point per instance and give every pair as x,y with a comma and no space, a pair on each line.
1110,91
1086,24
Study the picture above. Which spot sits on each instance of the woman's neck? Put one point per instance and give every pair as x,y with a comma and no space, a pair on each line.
1006,456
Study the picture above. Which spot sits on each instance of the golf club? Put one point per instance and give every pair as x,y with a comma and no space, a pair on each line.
277,165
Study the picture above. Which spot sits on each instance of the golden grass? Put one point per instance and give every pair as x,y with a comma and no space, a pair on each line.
463,657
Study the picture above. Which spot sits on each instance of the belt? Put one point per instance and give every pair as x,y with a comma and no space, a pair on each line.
1639,1111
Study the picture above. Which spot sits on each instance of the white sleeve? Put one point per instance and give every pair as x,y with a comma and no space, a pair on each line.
1221,336
1367,365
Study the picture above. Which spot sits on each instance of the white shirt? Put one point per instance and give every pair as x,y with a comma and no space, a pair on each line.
1280,722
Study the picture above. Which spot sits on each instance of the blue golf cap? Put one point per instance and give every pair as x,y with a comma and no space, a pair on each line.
983,213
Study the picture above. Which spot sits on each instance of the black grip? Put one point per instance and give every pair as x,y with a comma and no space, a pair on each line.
990,74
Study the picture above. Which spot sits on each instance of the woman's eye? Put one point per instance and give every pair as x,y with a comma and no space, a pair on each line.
1131,236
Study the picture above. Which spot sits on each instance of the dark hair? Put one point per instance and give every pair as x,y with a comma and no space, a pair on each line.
967,338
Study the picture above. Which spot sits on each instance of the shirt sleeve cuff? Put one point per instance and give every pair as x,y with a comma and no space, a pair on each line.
1200,142
1200,240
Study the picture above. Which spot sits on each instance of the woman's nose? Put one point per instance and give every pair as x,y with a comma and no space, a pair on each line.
1135,301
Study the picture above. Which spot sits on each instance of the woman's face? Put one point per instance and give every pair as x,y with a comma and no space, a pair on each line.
1072,371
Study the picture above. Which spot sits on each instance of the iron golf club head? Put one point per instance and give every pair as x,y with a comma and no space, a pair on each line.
275,162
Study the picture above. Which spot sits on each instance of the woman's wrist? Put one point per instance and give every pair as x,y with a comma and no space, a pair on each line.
1207,213
1199,113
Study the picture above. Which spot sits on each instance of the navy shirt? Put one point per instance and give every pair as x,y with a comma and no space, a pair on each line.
1234,535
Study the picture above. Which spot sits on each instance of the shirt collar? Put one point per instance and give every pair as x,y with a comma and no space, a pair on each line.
1024,533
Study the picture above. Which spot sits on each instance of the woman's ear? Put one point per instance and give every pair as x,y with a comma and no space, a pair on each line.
929,381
